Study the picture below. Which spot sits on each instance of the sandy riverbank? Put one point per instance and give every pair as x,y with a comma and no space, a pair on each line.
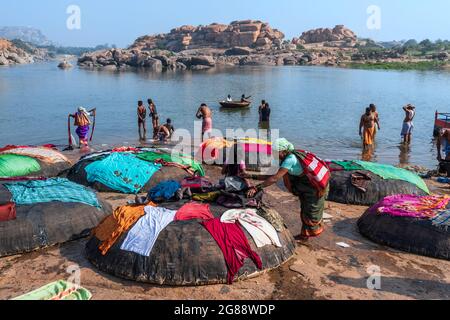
319,270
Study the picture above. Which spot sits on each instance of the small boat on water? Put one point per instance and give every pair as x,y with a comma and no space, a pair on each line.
235,104
442,121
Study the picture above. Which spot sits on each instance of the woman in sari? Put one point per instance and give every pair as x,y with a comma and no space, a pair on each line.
311,197
83,123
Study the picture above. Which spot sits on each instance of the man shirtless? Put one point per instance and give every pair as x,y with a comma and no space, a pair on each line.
142,117
408,124
368,124
373,109
205,113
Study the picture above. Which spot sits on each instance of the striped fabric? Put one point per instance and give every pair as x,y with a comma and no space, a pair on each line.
314,168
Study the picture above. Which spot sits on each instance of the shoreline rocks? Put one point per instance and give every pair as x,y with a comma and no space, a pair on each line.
19,52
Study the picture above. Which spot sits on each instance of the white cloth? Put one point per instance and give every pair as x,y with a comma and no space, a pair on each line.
262,232
142,237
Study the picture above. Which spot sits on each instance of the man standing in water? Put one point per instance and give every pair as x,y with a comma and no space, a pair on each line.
205,113
83,123
155,117
142,115
368,124
373,109
408,124
264,115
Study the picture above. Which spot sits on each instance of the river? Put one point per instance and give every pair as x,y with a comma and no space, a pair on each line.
317,108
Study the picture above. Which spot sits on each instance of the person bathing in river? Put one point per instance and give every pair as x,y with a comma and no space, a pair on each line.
83,123
367,129
142,117
373,109
312,189
264,115
408,125
155,117
205,113
166,131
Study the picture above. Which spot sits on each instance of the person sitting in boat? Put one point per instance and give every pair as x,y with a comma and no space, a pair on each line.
83,123
205,113
311,187
244,98
166,131
229,99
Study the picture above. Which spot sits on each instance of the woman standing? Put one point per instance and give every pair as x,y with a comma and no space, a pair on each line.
307,177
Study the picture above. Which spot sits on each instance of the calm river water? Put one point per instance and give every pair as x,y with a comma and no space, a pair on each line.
317,108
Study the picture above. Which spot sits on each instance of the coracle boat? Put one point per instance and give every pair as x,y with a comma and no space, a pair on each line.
442,121
235,104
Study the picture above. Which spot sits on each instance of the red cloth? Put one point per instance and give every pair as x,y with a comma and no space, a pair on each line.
7,211
234,245
193,211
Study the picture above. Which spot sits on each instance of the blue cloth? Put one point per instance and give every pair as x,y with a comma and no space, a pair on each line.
142,237
122,172
292,164
56,189
165,190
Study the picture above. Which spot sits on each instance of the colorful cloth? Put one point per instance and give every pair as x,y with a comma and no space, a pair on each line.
177,158
113,226
164,191
315,169
193,211
442,219
348,165
7,211
12,165
207,125
312,206
210,149
369,136
262,232
42,153
59,290
142,237
393,173
122,172
234,245
55,189
206,197
82,132
427,207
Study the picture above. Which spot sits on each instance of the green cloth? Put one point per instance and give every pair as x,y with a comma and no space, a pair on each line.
56,189
181,159
393,173
52,290
12,165
348,165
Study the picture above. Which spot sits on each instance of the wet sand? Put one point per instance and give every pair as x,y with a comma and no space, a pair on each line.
319,270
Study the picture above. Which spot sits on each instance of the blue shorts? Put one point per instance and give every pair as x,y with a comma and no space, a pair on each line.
407,128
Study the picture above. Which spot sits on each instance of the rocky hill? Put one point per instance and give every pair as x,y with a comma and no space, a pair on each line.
248,33
11,54
327,35
26,34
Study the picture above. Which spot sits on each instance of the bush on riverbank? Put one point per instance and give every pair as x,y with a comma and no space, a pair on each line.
419,65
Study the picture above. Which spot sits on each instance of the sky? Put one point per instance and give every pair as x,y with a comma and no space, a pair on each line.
121,22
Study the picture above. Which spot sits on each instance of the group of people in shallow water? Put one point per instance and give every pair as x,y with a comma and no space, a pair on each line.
370,125
160,132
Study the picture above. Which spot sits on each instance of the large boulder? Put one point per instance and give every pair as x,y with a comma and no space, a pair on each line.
203,61
338,33
238,51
